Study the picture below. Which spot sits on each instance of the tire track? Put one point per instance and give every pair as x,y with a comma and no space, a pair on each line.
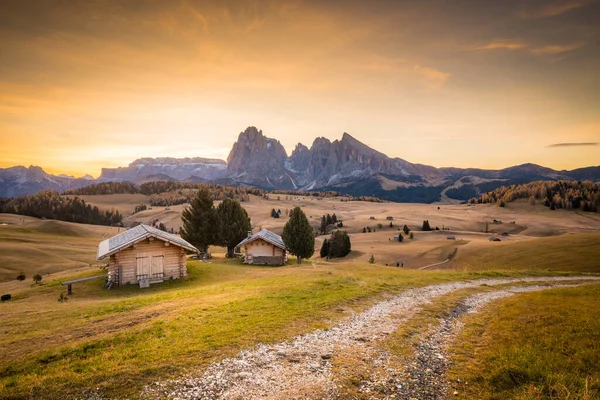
302,367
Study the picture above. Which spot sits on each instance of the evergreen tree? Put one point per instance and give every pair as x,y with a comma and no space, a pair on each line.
199,221
339,244
426,226
372,259
364,230
298,235
329,220
323,227
324,249
21,277
334,218
234,224
400,238
406,229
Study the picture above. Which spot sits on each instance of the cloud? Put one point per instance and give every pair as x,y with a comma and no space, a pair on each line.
502,45
540,50
554,49
430,77
573,144
555,9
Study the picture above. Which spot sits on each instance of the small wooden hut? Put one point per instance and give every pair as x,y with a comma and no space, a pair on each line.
144,255
264,248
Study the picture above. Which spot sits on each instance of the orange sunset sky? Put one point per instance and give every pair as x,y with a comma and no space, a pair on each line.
487,84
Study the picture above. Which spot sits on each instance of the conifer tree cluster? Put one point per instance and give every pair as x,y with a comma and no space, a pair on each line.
51,205
204,225
326,221
570,195
338,245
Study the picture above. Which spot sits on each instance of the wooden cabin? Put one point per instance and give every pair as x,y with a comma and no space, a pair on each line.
144,255
264,248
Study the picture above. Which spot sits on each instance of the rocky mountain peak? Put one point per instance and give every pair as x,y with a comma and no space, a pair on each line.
258,160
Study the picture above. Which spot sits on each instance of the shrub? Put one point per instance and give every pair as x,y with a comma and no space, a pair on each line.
62,298
410,235
21,277
372,259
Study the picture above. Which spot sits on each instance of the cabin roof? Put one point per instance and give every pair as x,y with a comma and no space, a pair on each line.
265,235
125,239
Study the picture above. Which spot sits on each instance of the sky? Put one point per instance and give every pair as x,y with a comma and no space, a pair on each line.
486,84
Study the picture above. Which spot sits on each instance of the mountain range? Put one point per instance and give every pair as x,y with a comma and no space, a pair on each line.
346,165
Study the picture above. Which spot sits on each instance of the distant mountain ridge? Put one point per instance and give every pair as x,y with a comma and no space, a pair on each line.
345,165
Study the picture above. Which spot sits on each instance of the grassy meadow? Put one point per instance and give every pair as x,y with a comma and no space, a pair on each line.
556,357
116,341
119,340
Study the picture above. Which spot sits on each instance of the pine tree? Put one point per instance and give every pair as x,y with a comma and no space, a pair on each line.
426,226
339,244
329,220
234,224
406,229
325,249
298,235
372,259
200,221
323,227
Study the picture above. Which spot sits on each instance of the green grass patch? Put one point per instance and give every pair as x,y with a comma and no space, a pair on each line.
540,345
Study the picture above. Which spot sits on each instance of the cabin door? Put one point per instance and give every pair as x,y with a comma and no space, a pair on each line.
158,266
143,266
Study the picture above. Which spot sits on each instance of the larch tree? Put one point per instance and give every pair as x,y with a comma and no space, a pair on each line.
298,235
234,224
200,226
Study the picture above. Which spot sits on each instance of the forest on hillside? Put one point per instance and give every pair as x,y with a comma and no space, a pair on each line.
51,205
166,193
570,195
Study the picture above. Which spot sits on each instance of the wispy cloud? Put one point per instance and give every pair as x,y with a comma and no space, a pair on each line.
555,9
554,49
502,45
537,50
573,144
431,77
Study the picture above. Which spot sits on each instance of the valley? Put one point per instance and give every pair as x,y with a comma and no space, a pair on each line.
113,343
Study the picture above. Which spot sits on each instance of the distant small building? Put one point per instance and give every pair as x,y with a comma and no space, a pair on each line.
263,248
144,255
451,237
389,218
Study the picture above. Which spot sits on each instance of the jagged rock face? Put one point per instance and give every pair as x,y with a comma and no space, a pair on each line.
19,180
259,161
176,168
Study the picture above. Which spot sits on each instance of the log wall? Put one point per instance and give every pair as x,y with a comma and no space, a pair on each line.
123,265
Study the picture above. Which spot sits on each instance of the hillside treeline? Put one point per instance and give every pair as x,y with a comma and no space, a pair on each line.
105,188
570,195
51,205
166,193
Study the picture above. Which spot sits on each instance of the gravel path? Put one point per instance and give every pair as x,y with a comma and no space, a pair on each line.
302,368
